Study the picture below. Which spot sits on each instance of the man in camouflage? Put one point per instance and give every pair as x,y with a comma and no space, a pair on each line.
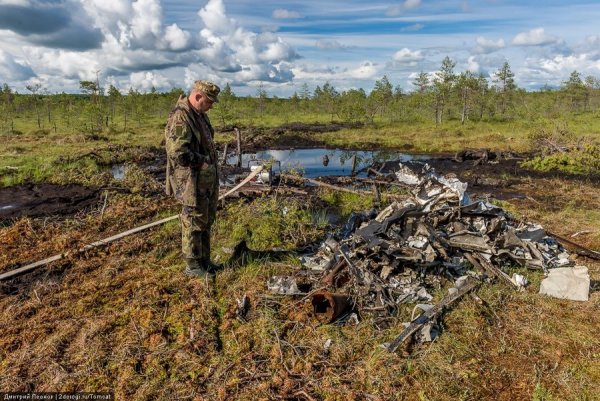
192,173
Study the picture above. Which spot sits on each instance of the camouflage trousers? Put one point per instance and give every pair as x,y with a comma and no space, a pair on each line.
195,229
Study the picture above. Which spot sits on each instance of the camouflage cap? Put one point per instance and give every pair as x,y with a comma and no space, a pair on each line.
208,88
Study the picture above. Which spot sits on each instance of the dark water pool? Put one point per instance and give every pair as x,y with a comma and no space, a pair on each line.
312,161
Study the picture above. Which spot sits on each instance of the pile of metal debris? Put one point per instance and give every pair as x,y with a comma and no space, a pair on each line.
433,240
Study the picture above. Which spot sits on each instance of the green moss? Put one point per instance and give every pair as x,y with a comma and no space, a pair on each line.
345,203
267,223
583,161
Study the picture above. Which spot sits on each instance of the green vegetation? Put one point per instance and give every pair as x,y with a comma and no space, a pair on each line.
268,223
560,149
447,112
580,161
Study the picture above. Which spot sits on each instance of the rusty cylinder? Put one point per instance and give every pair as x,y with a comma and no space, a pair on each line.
327,307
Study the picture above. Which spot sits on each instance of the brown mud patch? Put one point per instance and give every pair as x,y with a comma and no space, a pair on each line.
36,200
503,179
286,136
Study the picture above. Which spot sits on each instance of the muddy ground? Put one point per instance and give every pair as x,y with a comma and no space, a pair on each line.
501,179
36,200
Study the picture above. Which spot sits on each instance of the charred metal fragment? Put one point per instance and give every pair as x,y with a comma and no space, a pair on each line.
327,307
422,320
434,238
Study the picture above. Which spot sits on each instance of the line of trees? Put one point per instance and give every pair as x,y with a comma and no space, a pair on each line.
437,97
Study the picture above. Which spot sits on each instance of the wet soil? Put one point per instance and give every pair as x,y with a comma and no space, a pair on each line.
501,178
286,136
35,200
39,200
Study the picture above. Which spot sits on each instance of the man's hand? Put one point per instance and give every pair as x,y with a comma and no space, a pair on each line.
204,166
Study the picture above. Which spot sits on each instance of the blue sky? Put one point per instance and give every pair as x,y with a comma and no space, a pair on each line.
281,45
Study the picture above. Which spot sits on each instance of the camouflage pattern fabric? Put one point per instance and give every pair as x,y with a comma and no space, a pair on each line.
189,145
195,231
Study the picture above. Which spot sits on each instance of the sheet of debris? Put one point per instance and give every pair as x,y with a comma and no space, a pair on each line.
433,240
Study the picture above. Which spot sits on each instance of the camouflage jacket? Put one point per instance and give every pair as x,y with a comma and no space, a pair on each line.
189,144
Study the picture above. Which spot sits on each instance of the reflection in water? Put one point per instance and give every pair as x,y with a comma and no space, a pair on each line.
324,162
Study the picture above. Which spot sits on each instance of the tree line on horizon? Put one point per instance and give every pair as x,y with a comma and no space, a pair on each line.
437,97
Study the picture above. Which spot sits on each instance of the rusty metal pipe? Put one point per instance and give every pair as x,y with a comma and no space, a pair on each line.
327,307
330,277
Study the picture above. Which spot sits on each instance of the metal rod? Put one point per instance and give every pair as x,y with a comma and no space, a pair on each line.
420,321
106,241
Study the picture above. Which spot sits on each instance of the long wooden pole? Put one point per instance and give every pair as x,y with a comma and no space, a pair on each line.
106,241
238,138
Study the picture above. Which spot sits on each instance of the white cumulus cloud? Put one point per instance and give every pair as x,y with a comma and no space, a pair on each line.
413,28
407,56
485,46
144,81
176,38
68,64
410,4
396,10
228,47
365,70
534,37
326,44
214,18
563,64
472,64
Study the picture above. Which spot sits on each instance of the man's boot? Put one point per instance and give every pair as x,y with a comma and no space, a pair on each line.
195,268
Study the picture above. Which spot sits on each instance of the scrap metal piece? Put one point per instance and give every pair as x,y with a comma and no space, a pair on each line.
412,173
483,208
418,323
316,262
534,232
354,221
329,279
483,261
283,285
324,258
468,241
519,280
327,306
243,307
387,212
579,249
567,283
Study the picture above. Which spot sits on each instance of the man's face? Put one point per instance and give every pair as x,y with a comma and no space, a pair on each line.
200,102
